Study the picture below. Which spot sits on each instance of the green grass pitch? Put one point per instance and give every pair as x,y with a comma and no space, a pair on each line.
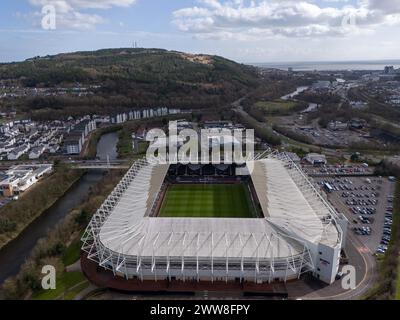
207,200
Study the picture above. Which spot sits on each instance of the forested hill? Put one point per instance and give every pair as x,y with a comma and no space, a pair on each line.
134,77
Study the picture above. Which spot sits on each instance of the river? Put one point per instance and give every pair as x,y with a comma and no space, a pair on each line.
107,146
13,255
295,93
291,96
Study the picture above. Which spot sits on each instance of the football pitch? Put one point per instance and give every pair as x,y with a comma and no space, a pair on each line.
207,200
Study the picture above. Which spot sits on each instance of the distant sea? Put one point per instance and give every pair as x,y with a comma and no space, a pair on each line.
332,65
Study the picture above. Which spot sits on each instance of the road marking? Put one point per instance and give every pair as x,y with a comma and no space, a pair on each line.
363,279
363,250
359,284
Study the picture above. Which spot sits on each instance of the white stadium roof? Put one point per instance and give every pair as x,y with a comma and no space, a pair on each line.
290,202
295,216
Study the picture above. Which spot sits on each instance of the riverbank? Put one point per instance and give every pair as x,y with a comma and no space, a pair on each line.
90,151
60,248
18,215
125,140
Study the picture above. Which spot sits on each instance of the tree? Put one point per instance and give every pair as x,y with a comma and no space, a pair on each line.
83,217
354,157
11,289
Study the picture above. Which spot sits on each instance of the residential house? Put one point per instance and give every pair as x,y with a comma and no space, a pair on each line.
17,152
36,152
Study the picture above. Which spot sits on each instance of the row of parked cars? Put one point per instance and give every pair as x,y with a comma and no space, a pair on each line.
368,202
341,169
365,220
359,195
387,227
361,210
362,201
363,231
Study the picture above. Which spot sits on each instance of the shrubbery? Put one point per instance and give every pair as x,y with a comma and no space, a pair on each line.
292,135
389,265
17,214
50,249
260,130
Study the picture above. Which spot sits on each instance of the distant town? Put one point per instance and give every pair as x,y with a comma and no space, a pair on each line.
329,131
27,141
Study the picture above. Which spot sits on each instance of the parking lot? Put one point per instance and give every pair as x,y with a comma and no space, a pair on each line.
333,170
367,204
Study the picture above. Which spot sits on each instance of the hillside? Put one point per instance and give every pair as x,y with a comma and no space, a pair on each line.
131,77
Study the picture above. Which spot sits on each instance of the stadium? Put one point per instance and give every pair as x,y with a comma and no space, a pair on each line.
193,222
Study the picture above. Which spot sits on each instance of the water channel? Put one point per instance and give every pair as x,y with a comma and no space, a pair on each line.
13,255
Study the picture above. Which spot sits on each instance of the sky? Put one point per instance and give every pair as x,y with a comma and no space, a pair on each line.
249,31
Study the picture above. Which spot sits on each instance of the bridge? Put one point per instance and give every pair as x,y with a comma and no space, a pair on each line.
123,164
98,164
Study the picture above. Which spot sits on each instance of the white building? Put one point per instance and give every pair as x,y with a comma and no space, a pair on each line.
53,148
316,159
20,178
142,114
17,152
299,231
36,152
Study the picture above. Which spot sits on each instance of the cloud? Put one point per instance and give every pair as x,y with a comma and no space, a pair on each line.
385,6
71,13
288,18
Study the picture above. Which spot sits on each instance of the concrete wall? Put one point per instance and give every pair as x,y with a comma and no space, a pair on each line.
327,263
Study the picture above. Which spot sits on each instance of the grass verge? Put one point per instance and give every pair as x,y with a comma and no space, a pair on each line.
72,253
277,107
64,283
387,284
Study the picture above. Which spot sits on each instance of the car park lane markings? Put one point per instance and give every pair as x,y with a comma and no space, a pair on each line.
363,249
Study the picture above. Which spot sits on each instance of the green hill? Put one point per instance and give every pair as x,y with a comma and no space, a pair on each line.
133,77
